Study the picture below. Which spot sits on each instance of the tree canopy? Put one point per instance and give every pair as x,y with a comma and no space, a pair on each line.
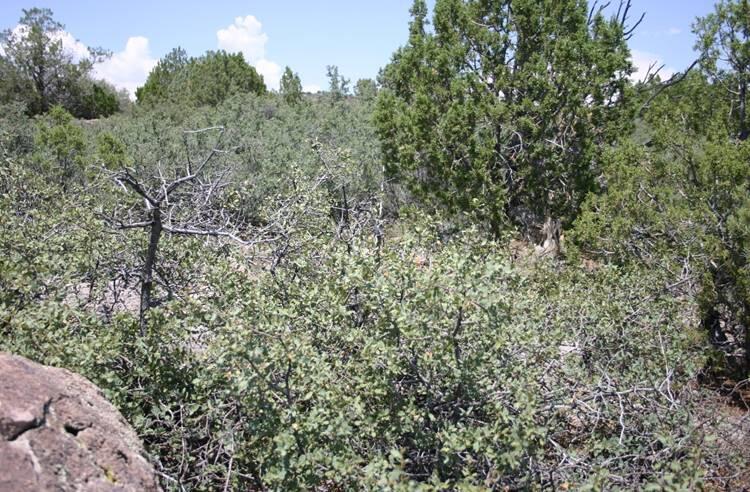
203,81
501,108
724,45
37,70
291,86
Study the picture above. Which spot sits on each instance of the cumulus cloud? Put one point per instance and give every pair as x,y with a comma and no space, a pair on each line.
128,69
70,44
246,36
270,71
17,32
643,60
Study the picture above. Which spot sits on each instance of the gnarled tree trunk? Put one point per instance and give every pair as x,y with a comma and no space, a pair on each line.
147,276
552,235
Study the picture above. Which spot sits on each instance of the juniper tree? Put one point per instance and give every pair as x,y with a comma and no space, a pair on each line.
501,107
203,81
38,70
291,87
724,44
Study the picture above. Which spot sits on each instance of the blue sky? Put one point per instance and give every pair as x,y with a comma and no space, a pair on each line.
358,36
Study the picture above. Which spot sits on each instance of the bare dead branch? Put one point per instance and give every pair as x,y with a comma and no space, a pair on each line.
674,80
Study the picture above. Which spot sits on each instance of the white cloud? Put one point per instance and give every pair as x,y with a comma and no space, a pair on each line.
673,31
312,88
246,36
128,69
643,60
70,44
270,71
18,31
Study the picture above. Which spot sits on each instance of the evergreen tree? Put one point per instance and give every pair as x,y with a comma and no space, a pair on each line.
160,82
503,107
37,70
724,44
338,86
61,145
204,81
291,87
366,89
680,204
218,75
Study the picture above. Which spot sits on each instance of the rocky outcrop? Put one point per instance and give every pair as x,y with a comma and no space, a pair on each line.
58,432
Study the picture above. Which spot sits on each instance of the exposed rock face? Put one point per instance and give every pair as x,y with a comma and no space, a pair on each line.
58,432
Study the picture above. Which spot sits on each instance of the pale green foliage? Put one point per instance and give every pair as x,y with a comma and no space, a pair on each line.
16,131
424,365
269,139
358,366
420,364
61,138
361,344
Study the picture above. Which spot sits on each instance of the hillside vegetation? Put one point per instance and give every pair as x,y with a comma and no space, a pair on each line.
502,265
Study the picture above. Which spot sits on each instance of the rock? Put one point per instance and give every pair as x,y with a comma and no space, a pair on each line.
58,432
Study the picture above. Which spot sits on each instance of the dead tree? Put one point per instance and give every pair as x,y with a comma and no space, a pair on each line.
187,202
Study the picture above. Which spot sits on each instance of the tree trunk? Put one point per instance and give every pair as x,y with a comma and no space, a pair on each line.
147,277
551,232
744,131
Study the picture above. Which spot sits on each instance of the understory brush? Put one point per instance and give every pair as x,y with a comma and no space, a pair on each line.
336,361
